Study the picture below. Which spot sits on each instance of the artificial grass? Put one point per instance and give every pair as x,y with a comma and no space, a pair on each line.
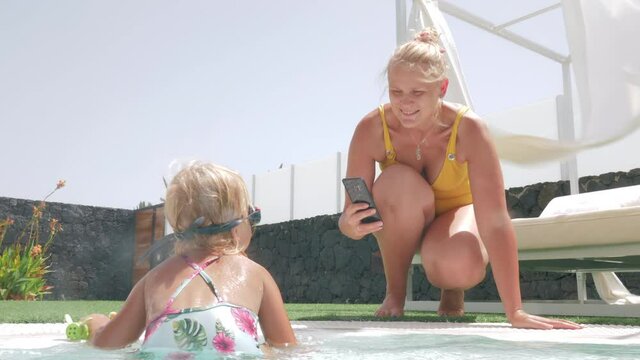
53,312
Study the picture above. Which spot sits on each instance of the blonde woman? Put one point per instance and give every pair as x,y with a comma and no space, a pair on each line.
440,191
209,296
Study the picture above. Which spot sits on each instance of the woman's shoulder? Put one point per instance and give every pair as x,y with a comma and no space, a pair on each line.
473,133
369,125
372,117
470,123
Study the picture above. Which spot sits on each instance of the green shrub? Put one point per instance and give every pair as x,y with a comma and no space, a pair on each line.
24,263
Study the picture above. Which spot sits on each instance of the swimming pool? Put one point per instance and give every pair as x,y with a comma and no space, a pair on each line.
373,340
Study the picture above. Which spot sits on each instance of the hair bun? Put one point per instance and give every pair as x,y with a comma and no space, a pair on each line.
428,35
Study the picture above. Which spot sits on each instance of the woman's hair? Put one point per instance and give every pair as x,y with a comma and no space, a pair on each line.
210,191
423,51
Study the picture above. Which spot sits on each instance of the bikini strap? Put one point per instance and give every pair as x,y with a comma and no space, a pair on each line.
390,152
451,146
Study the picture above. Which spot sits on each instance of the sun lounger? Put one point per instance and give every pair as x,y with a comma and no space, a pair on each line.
597,233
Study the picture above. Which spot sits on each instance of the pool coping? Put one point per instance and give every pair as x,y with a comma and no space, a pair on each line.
38,336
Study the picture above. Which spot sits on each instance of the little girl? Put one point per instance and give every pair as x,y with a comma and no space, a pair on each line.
209,296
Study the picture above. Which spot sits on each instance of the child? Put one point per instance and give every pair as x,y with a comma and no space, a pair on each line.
208,296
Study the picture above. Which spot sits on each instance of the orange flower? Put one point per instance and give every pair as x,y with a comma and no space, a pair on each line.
60,184
37,211
54,224
36,250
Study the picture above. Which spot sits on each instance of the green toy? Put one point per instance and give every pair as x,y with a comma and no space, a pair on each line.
76,330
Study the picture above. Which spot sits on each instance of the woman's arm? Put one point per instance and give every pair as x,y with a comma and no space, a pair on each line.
273,316
360,163
494,223
125,328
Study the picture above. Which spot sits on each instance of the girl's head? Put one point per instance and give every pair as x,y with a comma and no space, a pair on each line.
218,196
417,79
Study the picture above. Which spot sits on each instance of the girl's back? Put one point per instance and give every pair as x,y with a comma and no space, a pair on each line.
212,303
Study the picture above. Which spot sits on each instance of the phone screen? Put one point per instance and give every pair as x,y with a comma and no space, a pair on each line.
359,193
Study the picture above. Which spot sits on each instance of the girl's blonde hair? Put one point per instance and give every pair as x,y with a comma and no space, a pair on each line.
211,191
423,51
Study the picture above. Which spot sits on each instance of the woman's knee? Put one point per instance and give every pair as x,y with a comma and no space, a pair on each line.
458,267
459,275
401,185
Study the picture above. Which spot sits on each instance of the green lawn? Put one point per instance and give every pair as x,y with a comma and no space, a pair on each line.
53,312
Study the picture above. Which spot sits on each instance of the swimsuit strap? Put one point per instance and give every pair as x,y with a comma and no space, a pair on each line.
199,270
451,146
168,309
390,152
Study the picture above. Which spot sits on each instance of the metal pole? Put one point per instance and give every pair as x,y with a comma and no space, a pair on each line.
338,181
484,24
566,130
292,192
401,21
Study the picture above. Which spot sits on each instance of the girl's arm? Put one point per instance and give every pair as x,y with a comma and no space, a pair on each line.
273,316
125,328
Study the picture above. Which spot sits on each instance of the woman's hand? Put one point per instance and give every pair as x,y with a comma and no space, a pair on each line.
351,224
521,319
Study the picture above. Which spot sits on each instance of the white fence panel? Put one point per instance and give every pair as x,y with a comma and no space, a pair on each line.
272,194
316,188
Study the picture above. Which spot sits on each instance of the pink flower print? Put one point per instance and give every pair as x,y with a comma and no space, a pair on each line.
224,343
245,322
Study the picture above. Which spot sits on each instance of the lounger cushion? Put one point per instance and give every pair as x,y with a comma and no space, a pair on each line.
588,228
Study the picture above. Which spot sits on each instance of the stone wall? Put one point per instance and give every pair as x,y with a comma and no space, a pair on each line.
92,257
310,259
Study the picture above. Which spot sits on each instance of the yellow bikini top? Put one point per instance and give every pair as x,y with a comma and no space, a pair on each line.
451,187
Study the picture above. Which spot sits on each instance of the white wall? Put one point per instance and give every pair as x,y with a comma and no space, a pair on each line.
272,194
316,187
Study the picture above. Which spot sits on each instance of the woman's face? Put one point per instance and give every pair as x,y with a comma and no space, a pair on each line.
413,98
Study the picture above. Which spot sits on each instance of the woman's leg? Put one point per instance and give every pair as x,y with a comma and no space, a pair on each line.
405,202
454,257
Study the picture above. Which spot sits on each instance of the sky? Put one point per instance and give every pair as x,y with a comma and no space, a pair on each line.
109,94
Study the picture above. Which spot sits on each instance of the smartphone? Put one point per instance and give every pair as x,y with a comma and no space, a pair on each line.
359,193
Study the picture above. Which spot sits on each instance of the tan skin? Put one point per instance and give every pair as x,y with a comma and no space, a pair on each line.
237,279
455,246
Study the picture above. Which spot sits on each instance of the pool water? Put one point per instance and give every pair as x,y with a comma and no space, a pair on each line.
384,344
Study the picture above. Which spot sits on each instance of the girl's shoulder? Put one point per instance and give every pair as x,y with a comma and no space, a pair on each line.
241,261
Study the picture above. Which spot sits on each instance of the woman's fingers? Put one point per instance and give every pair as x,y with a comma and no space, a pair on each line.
539,322
355,213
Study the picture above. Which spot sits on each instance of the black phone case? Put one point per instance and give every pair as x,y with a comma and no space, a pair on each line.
359,193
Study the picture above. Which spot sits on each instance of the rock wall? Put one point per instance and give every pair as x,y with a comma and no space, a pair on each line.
92,257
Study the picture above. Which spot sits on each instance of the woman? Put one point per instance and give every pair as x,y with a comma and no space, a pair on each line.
440,191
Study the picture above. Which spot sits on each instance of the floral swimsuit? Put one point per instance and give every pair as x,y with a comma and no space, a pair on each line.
223,327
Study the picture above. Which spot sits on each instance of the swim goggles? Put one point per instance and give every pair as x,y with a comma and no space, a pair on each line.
196,228
254,218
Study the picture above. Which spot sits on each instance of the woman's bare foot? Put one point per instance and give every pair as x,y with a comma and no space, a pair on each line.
451,303
390,307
